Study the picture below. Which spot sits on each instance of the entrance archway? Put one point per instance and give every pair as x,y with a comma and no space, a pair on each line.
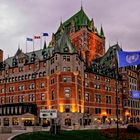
68,121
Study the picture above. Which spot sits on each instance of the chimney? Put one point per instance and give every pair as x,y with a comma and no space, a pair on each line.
1,55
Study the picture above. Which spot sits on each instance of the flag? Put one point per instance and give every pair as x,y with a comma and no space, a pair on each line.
135,94
37,37
128,58
29,39
45,34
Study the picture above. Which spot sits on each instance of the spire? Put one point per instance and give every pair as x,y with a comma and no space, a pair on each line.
45,46
102,32
81,5
18,46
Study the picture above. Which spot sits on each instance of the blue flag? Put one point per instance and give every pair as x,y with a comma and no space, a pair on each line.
45,34
135,94
29,39
128,58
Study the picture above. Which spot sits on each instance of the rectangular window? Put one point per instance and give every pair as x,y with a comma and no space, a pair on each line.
31,97
52,81
66,58
32,86
42,96
97,86
52,96
3,90
87,97
68,68
11,99
2,100
97,98
30,67
108,111
119,112
86,75
21,88
64,69
87,84
97,77
13,71
20,69
67,79
21,98
108,99
118,102
97,110
42,85
52,60
87,110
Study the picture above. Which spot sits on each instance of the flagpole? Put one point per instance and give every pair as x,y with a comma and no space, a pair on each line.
33,46
116,76
40,41
26,45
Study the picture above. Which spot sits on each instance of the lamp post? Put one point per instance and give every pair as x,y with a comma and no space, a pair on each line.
116,85
114,66
36,69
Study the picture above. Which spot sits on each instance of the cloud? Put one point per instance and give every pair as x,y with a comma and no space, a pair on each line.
26,18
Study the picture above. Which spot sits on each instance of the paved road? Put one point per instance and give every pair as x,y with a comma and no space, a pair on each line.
5,136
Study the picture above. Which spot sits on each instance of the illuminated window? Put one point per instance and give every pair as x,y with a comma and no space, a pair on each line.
67,92
15,121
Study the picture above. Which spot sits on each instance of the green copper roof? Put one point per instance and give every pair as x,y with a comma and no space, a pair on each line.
79,19
64,45
105,64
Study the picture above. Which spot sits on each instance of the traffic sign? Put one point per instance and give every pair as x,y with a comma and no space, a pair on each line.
48,113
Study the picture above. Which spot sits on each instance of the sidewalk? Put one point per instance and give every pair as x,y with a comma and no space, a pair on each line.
5,136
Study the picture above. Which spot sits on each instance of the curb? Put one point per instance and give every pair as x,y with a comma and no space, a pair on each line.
16,135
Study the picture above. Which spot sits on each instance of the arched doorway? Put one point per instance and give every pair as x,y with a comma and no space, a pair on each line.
68,122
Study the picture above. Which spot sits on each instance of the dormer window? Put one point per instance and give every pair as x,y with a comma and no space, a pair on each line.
66,49
45,56
21,60
32,59
14,62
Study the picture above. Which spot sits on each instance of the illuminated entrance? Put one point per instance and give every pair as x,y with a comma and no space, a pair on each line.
28,119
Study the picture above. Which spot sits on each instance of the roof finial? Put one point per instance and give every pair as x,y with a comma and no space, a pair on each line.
18,46
45,46
81,5
101,31
61,20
